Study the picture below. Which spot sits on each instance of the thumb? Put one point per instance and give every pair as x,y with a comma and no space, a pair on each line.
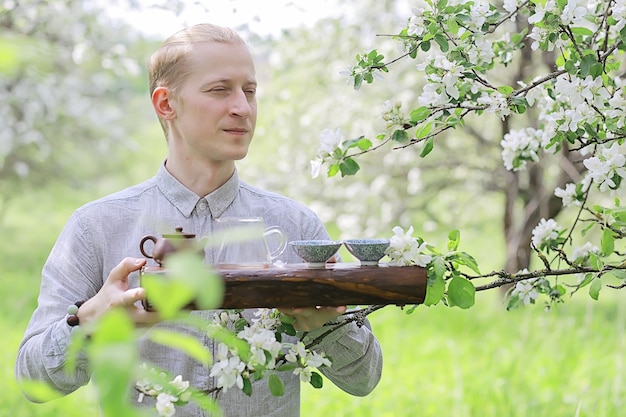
125,267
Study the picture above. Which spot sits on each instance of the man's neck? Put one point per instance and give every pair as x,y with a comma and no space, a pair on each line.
202,179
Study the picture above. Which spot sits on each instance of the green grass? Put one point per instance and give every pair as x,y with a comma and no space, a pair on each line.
481,362
489,362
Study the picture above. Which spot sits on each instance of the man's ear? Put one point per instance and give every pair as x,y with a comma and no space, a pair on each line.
161,97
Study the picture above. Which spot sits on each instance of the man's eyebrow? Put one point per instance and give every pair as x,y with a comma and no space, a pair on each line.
227,81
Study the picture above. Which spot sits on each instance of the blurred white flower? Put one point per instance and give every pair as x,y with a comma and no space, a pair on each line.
330,140
526,291
580,253
165,405
545,231
316,166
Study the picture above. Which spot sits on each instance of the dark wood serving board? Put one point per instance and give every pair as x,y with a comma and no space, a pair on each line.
337,284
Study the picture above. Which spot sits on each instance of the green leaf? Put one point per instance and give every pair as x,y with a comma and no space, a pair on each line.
39,391
333,170
424,130
505,90
586,64
247,387
364,144
419,114
594,288
454,238
453,26
442,41
400,136
287,329
607,242
316,380
586,281
276,385
358,80
435,289
468,260
461,292
186,343
428,147
286,367
581,31
349,167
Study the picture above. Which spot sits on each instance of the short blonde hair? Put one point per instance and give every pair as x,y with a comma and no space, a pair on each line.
169,65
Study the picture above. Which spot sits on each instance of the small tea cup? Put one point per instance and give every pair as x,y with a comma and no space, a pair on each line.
315,252
368,251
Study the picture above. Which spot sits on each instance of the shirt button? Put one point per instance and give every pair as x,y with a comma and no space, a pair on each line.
202,205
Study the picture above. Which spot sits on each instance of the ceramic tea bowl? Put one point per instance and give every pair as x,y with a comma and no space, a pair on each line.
367,251
315,252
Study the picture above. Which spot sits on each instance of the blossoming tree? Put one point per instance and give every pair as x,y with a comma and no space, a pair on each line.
578,103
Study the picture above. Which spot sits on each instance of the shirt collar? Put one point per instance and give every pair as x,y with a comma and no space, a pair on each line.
186,200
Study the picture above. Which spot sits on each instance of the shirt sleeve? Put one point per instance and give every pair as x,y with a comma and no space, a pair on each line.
68,276
356,357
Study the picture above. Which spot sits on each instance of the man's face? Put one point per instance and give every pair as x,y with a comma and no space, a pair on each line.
215,106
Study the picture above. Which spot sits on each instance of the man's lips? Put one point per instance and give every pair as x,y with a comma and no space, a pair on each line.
236,130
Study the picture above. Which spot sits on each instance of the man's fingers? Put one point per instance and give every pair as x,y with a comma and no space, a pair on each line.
131,296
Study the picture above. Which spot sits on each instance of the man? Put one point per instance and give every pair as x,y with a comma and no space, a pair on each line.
203,86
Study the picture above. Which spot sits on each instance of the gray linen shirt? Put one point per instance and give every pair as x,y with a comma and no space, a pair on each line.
101,233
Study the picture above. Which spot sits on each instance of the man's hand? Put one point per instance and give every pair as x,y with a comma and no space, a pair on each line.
308,319
115,293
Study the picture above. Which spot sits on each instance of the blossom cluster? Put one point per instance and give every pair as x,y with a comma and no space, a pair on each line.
175,392
405,250
232,367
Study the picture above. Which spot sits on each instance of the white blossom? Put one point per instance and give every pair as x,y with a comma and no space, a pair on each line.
316,166
568,195
541,10
497,103
510,5
165,405
526,291
330,140
582,252
608,163
618,11
545,231
479,11
228,371
416,25
405,250
574,15
520,146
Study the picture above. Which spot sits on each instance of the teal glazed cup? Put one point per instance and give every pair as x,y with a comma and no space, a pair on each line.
368,251
315,252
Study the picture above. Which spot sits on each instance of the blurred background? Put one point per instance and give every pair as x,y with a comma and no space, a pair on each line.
76,124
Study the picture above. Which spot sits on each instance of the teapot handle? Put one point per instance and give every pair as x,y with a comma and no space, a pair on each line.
146,238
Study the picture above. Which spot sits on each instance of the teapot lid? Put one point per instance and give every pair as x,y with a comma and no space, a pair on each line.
179,234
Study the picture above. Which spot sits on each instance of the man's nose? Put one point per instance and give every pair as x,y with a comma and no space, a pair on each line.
240,104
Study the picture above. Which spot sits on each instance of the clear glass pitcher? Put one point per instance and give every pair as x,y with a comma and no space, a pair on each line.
245,243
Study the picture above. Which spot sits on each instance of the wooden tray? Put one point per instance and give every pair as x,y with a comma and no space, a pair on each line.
338,284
